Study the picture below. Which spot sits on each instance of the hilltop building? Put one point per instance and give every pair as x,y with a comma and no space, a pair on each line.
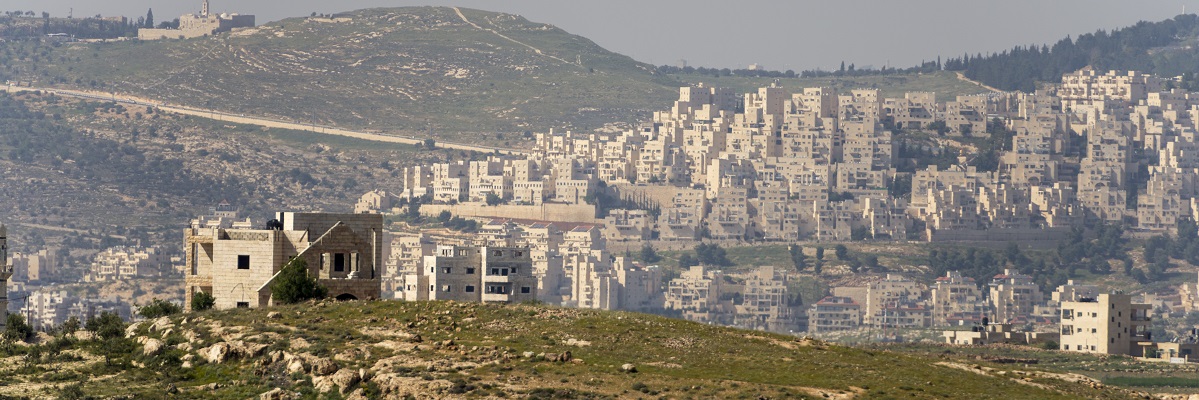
237,265
199,25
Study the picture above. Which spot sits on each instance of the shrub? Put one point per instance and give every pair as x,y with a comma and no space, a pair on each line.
293,284
158,308
107,326
17,329
202,301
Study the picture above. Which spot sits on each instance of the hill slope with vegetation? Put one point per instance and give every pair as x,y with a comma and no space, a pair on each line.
397,69
456,350
1165,48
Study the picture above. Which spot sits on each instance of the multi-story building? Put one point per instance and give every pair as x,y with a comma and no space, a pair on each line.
49,308
833,314
237,266
121,263
33,267
1013,297
1107,324
895,300
474,274
956,300
765,303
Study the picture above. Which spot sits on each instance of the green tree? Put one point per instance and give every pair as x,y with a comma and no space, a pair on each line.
294,285
202,300
430,144
687,261
107,326
797,257
16,329
648,254
820,253
158,308
712,254
841,252
493,199
871,262
150,18
70,326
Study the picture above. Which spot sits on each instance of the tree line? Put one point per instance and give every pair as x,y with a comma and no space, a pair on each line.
1123,49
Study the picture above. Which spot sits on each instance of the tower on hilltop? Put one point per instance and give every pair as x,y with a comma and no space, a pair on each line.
204,9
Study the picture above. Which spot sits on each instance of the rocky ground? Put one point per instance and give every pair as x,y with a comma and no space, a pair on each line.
456,350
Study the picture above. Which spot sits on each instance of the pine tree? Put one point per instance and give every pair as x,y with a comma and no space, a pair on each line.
294,285
150,18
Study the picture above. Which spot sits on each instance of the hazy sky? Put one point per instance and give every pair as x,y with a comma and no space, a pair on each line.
779,34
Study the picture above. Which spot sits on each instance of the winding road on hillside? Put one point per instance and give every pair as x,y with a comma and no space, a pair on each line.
962,77
535,50
259,121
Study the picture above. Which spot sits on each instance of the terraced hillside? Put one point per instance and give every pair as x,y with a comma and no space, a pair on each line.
456,350
400,69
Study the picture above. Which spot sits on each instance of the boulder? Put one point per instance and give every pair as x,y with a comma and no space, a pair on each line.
131,330
274,315
295,365
152,347
160,324
216,353
628,368
275,394
322,366
344,380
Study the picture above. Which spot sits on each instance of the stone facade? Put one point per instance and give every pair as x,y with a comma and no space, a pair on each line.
236,266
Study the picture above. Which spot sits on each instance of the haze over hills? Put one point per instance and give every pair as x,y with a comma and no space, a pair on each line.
400,69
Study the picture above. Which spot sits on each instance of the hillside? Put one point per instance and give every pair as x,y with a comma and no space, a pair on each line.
456,350
1166,48
397,69
85,170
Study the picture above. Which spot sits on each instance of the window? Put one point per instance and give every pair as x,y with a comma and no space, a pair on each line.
497,253
243,262
430,288
524,289
339,262
470,289
446,288
470,271
445,270
243,304
519,253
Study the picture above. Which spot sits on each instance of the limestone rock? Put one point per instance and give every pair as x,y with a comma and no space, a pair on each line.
323,366
216,353
295,365
131,330
275,394
152,347
628,368
274,315
160,324
344,380
396,386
